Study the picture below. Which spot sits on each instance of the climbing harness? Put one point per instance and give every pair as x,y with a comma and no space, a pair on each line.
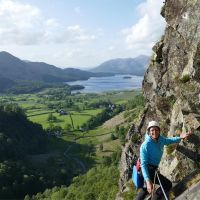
156,174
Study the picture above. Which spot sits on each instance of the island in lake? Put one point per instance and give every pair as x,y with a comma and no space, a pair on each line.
127,77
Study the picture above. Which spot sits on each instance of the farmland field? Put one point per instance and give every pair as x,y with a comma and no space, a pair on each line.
79,108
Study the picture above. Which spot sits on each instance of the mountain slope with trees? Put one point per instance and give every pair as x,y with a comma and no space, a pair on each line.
18,138
22,143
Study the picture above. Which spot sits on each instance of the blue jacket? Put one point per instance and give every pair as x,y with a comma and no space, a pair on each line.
151,152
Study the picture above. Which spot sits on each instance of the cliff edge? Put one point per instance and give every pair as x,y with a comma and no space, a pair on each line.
171,88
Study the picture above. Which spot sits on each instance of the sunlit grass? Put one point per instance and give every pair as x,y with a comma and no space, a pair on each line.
79,118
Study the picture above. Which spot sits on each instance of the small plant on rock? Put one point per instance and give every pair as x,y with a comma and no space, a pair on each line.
185,78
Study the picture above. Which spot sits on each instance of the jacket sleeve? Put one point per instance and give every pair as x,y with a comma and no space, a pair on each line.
171,140
144,162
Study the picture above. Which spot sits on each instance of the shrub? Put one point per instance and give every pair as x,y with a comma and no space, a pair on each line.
131,192
169,149
185,78
113,137
106,160
135,138
101,147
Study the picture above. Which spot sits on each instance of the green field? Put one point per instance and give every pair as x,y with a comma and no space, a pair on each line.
79,118
38,107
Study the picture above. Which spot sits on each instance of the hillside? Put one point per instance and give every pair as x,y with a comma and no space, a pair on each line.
134,66
31,158
5,83
17,141
171,89
90,157
22,138
62,152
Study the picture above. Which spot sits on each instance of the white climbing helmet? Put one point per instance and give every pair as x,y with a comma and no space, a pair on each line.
153,123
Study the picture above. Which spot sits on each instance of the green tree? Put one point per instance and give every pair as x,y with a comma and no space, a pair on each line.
68,127
113,137
71,120
51,118
101,147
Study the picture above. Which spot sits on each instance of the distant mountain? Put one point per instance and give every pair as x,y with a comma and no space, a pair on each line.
134,66
14,71
73,72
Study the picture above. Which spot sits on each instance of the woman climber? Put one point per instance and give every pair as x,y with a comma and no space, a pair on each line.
151,152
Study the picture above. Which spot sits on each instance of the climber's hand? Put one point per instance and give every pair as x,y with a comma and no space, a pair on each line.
149,186
185,135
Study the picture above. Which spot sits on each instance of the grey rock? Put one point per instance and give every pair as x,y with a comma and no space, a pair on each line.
171,87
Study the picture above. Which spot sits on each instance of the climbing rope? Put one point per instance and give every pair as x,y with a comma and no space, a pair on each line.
153,185
156,174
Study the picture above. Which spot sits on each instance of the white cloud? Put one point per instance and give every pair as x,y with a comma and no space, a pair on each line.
76,34
24,24
27,34
17,23
52,23
149,28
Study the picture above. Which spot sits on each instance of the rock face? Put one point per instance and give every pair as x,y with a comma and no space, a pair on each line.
192,193
171,88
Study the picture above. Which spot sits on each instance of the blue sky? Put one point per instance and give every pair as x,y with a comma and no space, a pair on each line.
79,33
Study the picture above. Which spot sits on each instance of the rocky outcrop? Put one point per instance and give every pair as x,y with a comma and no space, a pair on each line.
171,87
192,193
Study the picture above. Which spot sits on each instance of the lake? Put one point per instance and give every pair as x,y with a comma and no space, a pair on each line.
111,83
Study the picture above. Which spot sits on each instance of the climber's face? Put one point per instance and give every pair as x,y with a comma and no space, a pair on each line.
154,132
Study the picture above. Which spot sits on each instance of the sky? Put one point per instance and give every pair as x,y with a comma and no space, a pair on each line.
79,33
